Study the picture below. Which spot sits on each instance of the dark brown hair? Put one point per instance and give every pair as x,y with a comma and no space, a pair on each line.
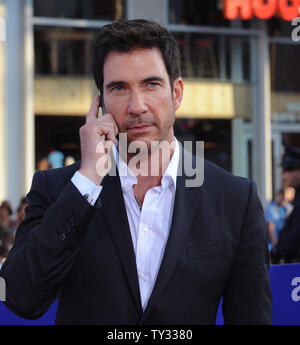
126,35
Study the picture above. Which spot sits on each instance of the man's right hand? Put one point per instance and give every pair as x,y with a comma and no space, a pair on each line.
91,139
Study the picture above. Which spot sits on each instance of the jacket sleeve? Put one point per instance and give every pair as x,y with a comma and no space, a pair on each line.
247,298
45,247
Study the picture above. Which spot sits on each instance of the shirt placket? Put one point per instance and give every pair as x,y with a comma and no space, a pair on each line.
144,245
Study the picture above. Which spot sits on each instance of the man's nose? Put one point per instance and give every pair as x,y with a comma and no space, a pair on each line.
137,104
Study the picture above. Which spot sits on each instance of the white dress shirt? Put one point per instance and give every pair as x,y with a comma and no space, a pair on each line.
150,225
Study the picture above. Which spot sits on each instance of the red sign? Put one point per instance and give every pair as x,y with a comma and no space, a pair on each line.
263,9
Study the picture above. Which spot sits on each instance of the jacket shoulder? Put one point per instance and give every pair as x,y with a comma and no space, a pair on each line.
213,175
214,172
63,173
223,183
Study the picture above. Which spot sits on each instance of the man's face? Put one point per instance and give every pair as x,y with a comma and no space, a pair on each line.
291,178
137,92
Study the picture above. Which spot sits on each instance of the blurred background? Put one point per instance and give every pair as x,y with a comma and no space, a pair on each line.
242,83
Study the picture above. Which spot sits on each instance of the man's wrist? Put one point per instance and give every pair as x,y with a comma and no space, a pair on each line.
87,188
94,177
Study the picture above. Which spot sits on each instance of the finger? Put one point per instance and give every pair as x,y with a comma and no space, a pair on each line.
108,119
92,115
107,132
113,121
111,137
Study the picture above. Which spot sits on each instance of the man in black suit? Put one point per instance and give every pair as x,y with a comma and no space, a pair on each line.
139,248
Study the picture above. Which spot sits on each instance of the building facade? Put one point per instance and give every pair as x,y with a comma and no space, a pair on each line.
242,89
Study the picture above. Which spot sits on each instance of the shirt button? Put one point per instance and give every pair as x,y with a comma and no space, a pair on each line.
142,275
145,228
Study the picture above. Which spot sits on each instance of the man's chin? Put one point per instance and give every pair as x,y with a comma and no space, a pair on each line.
139,144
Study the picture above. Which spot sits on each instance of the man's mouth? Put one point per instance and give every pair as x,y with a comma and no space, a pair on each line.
138,128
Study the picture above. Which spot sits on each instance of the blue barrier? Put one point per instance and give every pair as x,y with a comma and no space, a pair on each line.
285,286
7,317
285,295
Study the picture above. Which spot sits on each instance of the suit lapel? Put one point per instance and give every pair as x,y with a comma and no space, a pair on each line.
114,211
185,206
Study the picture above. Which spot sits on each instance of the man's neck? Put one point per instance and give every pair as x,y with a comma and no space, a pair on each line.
150,166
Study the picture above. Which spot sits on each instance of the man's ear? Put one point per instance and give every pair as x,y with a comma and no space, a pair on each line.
177,92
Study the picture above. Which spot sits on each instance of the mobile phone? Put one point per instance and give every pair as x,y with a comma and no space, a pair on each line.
102,105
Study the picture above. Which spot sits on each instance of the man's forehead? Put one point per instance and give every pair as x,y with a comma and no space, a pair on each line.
132,52
140,58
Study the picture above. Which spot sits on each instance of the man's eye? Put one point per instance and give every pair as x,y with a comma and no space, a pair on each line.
153,84
118,88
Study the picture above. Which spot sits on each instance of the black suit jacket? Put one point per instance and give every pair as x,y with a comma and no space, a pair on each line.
84,256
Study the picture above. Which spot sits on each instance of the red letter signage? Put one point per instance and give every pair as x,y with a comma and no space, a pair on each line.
289,9
264,9
232,8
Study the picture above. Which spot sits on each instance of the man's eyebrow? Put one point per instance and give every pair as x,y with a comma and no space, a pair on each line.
121,82
152,78
114,83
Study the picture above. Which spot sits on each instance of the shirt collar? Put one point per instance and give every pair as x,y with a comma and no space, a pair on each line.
170,175
127,176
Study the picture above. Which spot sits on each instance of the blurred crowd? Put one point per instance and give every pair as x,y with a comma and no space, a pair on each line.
276,213
55,159
9,221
